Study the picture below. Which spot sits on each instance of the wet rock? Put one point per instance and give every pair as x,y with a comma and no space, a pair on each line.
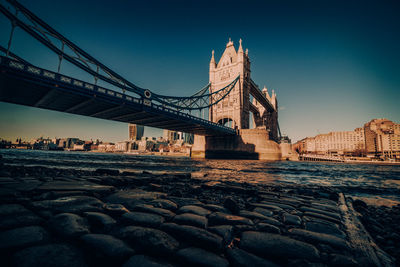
252,215
272,221
60,255
224,231
191,219
69,225
291,219
7,209
278,247
14,215
58,194
241,258
106,246
100,221
144,261
131,198
194,209
280,205
78,186
359,205
342,261
213,207
194,236
219,218
266,227
324,228
115,209
199,257
23,237
148,208
322,216
323,212
149,240
143,219
73,204
264,212
266,206
316,238
164,204
101,171
231,205
183,201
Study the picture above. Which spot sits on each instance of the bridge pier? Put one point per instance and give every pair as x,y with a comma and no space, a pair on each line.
248,144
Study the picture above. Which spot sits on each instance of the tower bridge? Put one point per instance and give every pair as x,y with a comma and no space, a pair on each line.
218,114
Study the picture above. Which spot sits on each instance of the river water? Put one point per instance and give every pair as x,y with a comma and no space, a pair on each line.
377,184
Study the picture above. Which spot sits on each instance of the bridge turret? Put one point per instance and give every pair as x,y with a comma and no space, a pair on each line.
212,67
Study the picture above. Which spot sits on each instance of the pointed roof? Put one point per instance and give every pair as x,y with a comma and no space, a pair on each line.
229,56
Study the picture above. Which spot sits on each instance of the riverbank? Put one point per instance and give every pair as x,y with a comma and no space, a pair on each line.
110,218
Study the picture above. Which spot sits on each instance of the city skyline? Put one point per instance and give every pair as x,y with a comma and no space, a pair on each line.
334,66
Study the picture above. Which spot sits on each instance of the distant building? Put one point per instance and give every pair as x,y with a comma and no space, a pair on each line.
382,138
378,138
135,132
172,136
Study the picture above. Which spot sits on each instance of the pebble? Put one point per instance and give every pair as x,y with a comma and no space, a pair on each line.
73,204
239,257
51,255
291,219
194,209
23,237
143,219
115,209
133,197
266,206
252,215
200,257
326,213
106,246
264,212
219,218
273,246
100,221
191,219
149,240
266,227
322,216
79,186
324,228
231,205
165,204
194,235
68,225
224,231
320,238
149,208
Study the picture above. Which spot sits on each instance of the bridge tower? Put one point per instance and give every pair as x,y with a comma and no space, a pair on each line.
234,109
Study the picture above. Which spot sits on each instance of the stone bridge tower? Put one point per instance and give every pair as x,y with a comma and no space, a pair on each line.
245,97
234,109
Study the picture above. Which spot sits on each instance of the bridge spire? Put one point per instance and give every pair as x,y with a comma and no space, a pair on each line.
240,49
212,61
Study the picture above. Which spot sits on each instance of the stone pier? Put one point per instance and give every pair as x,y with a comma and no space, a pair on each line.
248,144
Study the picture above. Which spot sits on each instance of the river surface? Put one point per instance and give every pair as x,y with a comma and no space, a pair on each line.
377,183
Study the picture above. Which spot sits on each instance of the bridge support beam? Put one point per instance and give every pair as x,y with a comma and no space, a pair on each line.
248,144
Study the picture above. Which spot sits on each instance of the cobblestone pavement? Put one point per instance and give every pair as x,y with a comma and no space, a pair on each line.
52,217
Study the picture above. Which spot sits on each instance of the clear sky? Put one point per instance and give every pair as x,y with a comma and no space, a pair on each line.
334,65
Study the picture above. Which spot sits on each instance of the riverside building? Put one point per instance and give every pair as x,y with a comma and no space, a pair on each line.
378,138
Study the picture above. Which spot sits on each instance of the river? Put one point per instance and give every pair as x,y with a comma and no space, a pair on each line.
377,184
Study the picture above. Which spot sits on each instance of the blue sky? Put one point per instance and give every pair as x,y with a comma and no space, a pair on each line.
334,65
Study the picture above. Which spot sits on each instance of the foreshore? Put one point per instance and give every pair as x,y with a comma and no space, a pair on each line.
67,217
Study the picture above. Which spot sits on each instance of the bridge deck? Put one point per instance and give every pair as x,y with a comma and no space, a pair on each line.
31,86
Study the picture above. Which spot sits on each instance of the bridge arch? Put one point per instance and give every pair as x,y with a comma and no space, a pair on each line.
227,121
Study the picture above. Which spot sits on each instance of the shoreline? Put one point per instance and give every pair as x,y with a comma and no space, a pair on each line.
110,218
